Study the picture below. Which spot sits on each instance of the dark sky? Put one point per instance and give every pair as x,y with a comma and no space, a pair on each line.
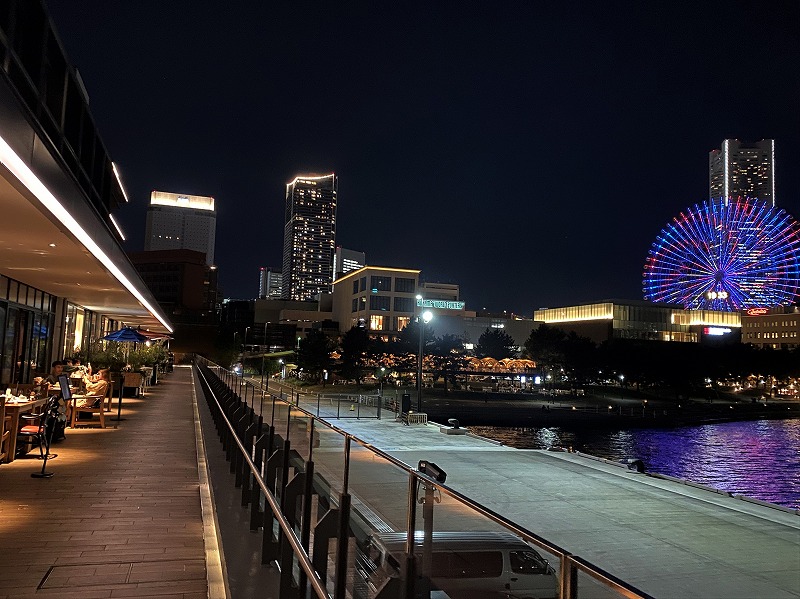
528,151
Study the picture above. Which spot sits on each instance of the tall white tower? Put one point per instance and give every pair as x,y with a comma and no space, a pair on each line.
181,222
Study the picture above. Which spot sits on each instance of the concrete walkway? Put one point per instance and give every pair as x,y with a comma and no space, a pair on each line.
121,517
668,539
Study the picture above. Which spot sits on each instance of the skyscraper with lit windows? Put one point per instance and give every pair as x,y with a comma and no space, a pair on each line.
309,236
742,170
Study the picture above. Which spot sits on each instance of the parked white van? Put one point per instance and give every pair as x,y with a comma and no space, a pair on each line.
464,565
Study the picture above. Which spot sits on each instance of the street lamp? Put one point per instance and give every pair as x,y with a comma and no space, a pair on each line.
383,370
244,345
424,318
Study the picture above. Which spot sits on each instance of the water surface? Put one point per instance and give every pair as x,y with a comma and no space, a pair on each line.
759,459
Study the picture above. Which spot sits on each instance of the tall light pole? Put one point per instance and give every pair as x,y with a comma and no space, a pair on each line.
244,345
424,318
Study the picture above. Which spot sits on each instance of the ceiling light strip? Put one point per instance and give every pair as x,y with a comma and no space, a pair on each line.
27,177
119,181
114,222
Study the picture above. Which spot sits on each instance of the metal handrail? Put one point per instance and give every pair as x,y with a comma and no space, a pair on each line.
297,547
595,572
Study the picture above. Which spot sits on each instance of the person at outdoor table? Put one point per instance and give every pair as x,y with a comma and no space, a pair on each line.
94,388
78,369
56,368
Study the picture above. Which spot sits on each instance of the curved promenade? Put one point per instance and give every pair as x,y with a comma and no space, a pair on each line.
666,538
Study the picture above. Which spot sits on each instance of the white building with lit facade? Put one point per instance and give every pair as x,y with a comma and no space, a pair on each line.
742,170
641,320
309,236
181,222
381,299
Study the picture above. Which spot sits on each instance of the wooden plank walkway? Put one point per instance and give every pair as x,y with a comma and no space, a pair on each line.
121,517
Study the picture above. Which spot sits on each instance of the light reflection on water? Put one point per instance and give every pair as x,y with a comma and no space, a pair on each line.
759,459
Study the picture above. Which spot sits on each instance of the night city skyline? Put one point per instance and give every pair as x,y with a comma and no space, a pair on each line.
529,154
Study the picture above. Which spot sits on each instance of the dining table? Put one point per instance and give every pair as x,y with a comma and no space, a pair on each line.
15,408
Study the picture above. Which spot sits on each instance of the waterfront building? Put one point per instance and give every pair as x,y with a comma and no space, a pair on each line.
65,280
269,282
378,297
777,327
647,321
742,170
181,222
309,236
345,260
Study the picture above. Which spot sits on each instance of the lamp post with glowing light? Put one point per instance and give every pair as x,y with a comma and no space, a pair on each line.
423,319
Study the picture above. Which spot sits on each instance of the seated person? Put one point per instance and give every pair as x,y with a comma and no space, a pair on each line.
78,369
95,388
56,368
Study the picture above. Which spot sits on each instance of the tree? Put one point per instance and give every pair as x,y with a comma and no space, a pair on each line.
448,356
545,346
580,357
355,347
496,344
314,354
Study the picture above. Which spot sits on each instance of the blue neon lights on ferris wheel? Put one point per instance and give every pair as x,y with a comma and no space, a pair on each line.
725,255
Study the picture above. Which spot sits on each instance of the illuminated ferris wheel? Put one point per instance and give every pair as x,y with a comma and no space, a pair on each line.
725,255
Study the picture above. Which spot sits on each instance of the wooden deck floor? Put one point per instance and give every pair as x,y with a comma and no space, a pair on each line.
121,517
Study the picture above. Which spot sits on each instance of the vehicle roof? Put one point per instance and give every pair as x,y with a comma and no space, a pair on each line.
395,541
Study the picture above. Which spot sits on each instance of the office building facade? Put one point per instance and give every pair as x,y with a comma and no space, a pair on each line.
777,327
309,236
181,222
379,298
742,170
345,260
269,282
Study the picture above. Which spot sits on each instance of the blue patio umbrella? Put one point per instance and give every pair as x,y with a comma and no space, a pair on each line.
126,334
130,335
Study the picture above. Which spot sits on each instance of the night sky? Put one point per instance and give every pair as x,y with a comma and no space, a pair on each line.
529,152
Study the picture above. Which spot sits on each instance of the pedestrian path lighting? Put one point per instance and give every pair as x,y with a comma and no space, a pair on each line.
424,319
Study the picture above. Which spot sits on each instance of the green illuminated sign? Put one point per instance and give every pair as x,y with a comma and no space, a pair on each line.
442,304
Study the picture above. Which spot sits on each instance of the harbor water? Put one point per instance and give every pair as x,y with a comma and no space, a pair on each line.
759,459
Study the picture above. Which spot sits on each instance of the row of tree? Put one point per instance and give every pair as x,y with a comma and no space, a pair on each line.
560,357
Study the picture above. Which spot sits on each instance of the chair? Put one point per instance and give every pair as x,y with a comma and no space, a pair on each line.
5,433
135,380
95,405
36,431
109,397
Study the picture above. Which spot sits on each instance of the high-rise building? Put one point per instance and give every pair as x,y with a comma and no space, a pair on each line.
269,282
181,222
738,170
309,236
346,260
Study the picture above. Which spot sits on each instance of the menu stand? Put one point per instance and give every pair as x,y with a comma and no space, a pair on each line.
49,424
